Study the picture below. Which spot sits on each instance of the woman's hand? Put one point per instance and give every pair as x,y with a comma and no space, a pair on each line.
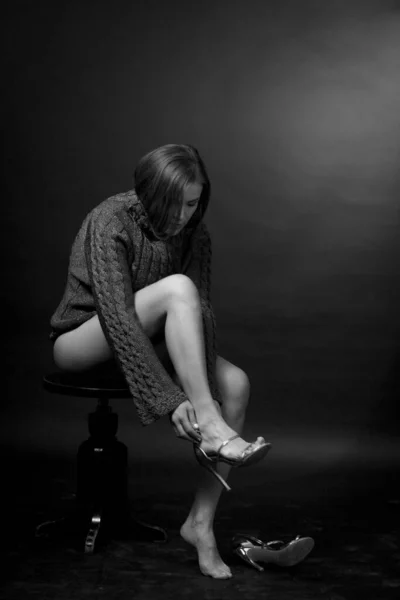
184,422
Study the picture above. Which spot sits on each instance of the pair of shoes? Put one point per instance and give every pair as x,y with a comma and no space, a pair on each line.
253,453
276,552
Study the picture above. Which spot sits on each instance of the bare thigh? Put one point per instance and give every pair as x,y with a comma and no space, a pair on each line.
86,347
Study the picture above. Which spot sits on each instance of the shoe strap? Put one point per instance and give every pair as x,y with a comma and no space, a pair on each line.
233,437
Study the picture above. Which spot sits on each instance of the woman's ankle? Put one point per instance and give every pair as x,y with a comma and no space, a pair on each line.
207,414
199,520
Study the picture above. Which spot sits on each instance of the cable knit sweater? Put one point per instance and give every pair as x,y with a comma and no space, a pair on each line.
115,254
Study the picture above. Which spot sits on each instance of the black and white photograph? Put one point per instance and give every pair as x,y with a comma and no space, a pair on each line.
201,300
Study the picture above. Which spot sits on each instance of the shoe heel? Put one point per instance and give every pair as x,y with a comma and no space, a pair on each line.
218,476
204,461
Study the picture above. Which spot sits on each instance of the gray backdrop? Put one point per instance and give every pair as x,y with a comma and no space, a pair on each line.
294,107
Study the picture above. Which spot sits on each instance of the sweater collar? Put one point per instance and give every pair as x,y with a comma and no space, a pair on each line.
142,219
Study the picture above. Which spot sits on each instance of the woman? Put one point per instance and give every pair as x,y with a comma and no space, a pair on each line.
138,279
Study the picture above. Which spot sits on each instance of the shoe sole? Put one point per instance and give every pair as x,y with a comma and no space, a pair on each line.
256,456
289,556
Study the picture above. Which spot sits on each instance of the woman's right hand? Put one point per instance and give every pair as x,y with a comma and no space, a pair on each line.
184,423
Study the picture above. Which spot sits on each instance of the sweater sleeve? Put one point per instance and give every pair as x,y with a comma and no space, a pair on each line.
109,256
197,266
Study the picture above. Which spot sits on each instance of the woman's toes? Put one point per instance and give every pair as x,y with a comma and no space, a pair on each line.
224,574
214,570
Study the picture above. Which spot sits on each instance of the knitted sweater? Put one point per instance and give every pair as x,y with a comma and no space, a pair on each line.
115,254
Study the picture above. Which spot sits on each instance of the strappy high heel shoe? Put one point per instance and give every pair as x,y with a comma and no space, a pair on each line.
276,552
253,453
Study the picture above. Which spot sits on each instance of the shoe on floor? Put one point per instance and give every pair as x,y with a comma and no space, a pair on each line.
251,550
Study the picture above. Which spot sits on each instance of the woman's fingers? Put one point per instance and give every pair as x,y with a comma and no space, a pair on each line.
192,419
191,433
183,420
188,421
180,432
184,430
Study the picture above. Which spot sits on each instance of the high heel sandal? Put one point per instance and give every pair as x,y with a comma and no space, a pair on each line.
246,458
276,552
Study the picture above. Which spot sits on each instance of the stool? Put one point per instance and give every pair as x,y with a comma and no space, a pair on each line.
102,503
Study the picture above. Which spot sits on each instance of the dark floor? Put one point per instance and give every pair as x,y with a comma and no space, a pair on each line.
350,507
338,484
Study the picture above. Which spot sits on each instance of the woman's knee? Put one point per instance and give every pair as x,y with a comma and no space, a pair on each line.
242,387
234,384
182,288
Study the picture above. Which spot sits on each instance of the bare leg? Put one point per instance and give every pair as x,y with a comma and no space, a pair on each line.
185,343
198,527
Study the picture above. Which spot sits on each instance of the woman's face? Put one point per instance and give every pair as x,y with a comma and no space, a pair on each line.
191,199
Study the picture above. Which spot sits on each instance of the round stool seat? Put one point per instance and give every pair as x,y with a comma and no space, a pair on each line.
86,385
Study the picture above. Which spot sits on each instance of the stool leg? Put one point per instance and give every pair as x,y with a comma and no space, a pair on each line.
102,488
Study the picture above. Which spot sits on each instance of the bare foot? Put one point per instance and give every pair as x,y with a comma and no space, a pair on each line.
214,431
202,538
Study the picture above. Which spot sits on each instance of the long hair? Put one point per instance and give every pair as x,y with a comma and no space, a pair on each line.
160,178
